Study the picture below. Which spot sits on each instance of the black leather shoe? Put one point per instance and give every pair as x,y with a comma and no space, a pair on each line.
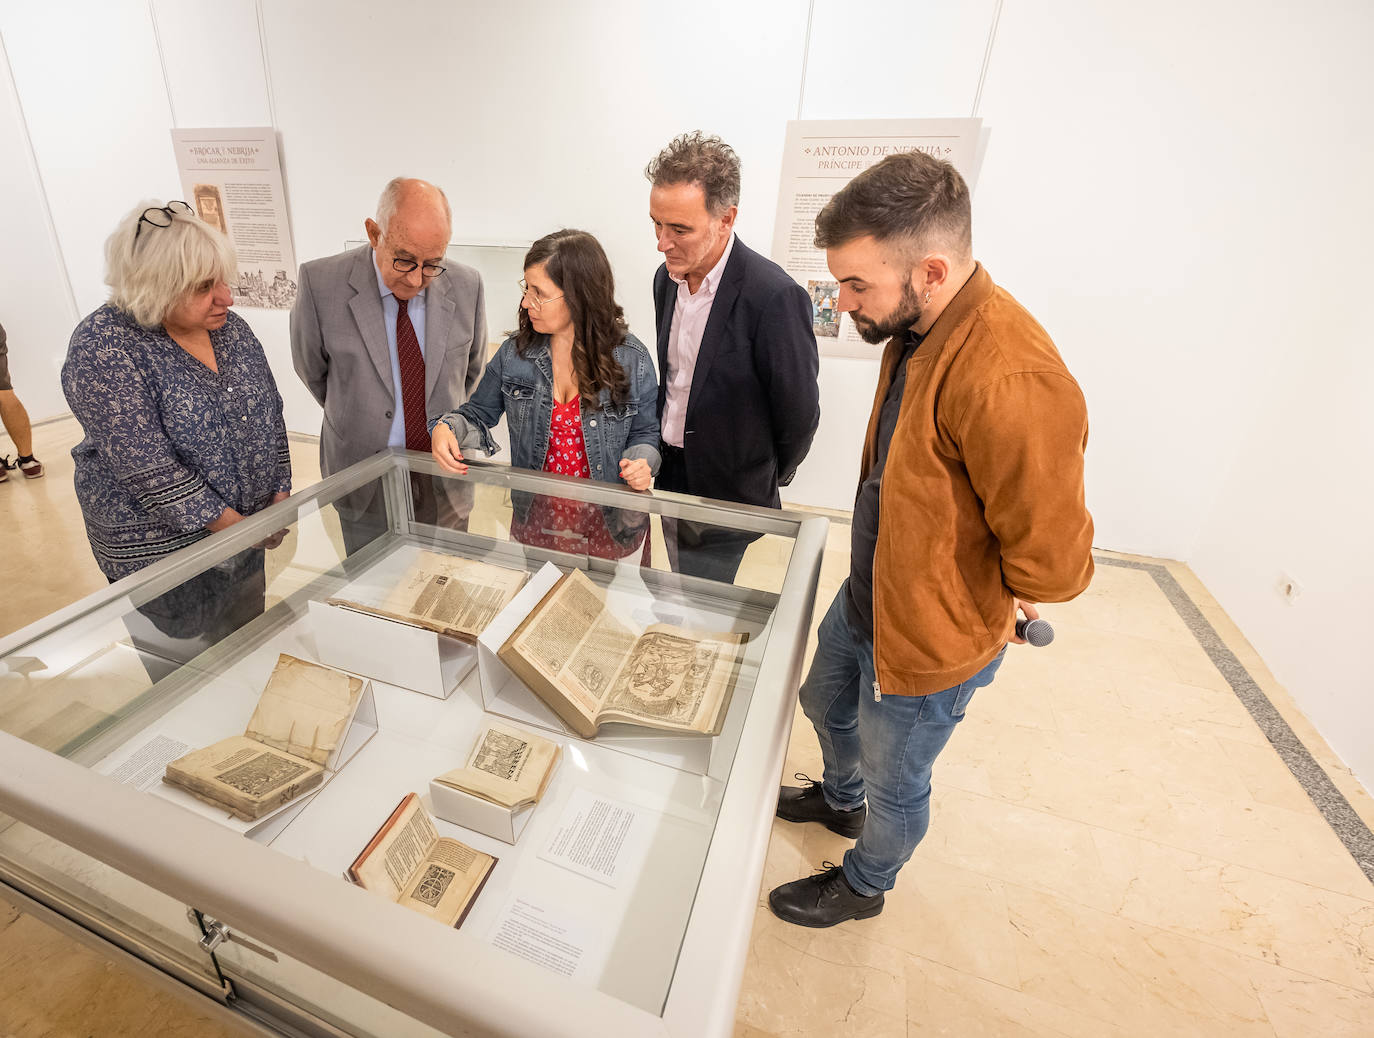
807,804
822,900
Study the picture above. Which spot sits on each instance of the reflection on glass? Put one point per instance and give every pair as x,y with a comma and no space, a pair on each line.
577,527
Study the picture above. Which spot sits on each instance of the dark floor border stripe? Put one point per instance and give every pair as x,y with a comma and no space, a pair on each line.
1345,822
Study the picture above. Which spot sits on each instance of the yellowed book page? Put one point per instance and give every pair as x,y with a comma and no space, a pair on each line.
305,708
507,766
575,642
388,865
676,679
448,881
243,776
448,594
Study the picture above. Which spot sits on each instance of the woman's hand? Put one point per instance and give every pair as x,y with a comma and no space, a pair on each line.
226,519
444,446
636,473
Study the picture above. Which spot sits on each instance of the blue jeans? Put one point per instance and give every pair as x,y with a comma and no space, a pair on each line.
883,749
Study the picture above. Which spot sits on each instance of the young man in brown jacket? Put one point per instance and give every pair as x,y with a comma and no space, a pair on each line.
970,506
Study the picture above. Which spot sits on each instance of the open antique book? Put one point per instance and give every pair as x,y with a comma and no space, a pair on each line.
507,766
591,668
410,863
303,713
446,594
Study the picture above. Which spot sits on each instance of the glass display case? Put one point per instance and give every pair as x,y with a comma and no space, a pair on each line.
622,901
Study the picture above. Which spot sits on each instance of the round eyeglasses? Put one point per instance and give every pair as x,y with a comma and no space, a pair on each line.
162,215
529,291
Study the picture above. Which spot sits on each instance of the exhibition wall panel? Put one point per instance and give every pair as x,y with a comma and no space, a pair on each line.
36,305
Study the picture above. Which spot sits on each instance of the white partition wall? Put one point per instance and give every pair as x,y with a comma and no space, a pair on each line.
36,305
1178,192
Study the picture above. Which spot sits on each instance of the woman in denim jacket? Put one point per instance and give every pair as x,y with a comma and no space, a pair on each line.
578,391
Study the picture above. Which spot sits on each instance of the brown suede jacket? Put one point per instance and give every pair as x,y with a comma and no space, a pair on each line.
982,496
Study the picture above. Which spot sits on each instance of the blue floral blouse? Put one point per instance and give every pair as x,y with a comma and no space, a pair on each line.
169,443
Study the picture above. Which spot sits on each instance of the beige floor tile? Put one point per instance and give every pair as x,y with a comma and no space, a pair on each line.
1000,840
1189,708
1122,601
1112,969
54,987
1303,928
1264,774
1297,844
944,1002
1300,1007
950,916
800,981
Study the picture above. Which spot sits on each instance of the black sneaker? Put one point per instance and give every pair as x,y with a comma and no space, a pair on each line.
807,804
822,900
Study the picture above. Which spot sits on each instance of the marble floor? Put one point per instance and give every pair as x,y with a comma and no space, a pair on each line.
1116,846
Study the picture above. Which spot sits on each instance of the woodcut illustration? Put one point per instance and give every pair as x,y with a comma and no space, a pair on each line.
408,862
591,668
507,765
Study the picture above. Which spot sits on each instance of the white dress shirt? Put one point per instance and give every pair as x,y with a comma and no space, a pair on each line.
690,314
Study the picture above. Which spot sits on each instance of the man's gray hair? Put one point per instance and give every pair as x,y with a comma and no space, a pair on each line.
151,271
707,162
391,200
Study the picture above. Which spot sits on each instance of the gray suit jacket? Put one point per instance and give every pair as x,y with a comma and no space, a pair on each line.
339,346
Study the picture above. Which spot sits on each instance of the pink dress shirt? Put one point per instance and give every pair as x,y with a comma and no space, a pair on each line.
690,315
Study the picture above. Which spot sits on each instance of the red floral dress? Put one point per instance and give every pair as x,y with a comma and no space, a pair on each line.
556,523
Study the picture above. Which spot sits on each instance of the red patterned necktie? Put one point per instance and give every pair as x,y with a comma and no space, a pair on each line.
412,380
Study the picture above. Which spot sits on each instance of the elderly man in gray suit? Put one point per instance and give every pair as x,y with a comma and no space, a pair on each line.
386,335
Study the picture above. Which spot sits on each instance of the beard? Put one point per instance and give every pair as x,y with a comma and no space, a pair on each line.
905,314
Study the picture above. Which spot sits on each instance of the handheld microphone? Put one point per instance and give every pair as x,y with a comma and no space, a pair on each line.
1037,632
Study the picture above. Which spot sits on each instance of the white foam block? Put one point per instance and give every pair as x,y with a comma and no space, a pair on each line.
396,653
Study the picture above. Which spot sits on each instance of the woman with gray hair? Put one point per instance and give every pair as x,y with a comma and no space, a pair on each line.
184,433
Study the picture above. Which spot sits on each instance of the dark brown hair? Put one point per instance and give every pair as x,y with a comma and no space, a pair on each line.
577,264
909,200
708,162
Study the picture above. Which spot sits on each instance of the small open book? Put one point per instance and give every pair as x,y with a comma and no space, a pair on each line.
507,766
446,594
591,668
408,862
303,713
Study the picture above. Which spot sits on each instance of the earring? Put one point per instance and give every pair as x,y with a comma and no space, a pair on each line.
927,299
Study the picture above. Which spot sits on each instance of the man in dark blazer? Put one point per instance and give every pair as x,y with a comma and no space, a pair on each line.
385,336
737,359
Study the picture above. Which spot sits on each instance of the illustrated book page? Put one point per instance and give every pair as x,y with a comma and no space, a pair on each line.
243,776
408,862
302,715
507,766
447,594
589,667
305,709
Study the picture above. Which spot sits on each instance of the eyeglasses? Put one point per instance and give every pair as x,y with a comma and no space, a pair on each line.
162,216
526,289
427,270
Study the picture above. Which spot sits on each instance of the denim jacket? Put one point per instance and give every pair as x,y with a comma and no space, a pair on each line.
522,389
